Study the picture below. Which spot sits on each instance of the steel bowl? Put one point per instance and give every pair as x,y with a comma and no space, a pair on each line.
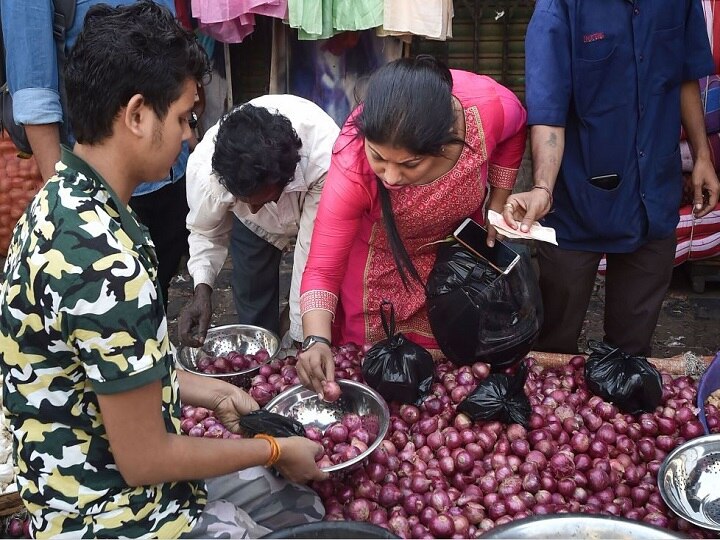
689,481
583,526
307,408
220,340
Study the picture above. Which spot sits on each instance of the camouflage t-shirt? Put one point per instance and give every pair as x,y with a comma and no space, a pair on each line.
80,316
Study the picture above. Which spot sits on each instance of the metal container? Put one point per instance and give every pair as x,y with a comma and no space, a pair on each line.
307,408
579,526
689,481
220,340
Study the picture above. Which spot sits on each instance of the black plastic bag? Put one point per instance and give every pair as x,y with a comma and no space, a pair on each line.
478,314
276,425
630,382
499,397
397,368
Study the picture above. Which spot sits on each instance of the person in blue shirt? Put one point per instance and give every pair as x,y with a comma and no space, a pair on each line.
33,78
609,83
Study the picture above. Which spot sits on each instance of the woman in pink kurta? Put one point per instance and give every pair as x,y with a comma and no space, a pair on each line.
476,141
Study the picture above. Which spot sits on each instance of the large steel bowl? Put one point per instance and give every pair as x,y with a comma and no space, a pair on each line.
220,340
689,481
307,408
581,526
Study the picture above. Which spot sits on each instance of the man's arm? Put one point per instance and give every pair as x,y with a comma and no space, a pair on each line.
145,453
705,182
32,72
547,144
44,140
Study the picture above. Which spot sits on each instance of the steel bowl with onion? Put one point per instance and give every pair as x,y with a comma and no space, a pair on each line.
221,340
689,481
307,408
579,526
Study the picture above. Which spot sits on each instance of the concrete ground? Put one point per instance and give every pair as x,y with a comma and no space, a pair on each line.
689,322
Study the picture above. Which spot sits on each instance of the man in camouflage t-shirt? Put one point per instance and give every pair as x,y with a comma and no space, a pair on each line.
90,390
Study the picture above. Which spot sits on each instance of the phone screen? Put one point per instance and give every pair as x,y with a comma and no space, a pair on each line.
474,237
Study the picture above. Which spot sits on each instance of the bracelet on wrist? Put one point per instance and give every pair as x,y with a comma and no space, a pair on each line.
274,449
546,190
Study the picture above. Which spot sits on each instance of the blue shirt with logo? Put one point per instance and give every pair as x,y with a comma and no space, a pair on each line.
609,72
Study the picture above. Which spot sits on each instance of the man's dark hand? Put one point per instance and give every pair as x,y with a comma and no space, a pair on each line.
195,317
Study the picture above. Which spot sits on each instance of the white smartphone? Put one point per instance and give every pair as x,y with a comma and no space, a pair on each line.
474,237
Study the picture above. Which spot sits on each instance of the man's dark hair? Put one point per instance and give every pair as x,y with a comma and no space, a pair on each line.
255,148
123,51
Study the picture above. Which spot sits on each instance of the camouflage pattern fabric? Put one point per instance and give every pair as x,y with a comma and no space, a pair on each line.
253,503
80,316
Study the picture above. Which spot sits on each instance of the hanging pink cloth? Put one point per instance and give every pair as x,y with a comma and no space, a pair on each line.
230,21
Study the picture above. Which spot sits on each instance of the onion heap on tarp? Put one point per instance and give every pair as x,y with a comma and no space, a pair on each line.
437,474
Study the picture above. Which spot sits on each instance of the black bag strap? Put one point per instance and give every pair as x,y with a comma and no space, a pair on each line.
389,328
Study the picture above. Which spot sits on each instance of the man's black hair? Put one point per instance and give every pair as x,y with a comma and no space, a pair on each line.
254,148
122,51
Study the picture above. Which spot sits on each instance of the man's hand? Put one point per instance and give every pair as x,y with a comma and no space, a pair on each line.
705,186
315,366
231,406
526,208
196,314
297,460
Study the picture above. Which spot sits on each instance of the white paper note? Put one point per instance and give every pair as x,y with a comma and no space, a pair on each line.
536,232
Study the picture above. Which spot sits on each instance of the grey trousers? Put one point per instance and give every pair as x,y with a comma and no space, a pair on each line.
253,503
635,287
256,278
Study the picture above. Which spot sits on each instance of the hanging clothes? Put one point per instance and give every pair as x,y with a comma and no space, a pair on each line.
231,21
312,18
429,18
357,14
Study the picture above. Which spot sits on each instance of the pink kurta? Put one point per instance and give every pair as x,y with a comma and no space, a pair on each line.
350,269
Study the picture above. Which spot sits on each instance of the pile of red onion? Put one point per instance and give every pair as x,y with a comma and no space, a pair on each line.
232,362
343,440
439,475
201,422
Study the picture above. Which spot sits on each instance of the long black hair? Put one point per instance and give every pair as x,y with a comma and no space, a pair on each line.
408,104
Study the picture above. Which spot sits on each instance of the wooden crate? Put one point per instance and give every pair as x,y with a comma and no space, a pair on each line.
11,503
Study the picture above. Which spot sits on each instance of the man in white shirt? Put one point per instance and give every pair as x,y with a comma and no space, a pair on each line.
254,184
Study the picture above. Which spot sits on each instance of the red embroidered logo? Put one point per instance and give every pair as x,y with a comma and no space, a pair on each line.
597,36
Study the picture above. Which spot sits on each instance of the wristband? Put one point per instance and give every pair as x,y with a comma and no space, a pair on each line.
274,449
546,190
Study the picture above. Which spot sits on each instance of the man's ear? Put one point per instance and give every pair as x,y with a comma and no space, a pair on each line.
137,116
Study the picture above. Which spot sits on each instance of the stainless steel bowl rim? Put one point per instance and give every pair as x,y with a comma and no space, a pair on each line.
551,526
383,427
663,471
183,351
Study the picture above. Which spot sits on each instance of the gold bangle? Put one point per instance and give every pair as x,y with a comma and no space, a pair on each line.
274,449
546,190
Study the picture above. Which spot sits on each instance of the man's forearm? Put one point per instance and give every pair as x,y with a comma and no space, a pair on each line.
548,145
45,142
693,119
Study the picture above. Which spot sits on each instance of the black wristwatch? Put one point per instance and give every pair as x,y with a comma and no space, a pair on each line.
312,340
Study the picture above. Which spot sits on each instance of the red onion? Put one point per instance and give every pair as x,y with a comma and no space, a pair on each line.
441,526
480,370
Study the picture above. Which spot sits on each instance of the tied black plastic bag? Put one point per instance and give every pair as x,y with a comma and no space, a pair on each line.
397,368
499,397
275,425
630,382
478,314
